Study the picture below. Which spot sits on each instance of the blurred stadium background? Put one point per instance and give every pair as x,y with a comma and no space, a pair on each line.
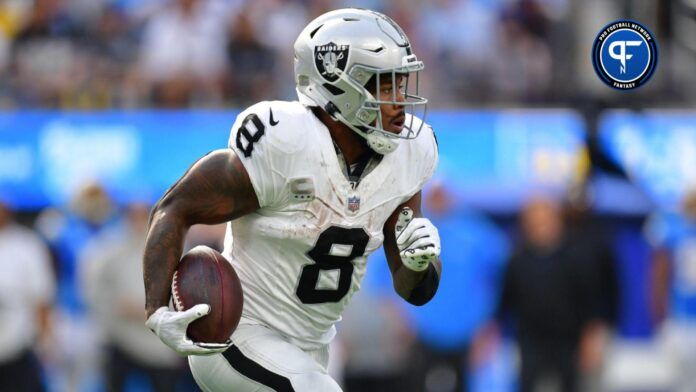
105,103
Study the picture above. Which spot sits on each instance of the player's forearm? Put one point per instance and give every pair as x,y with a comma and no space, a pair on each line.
163,248
406,280
214,190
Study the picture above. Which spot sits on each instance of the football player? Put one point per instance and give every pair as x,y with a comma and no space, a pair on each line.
310,188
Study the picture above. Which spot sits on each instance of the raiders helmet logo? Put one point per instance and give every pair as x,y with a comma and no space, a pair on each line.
330,58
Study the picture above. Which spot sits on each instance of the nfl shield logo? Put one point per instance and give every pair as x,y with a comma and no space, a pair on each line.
329,59
353,203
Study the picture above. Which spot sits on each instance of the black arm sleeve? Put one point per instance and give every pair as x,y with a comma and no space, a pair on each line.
426,289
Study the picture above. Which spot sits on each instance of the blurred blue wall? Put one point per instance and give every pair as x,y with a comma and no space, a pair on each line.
492,159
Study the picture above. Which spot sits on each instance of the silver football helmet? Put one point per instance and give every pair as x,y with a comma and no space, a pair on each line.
338,53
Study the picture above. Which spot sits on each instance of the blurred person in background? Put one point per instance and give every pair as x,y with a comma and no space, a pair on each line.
68,232
107,48
89,211
525,72
71,53
548,294
43,54
182,53
27,289
673,288
110,276
251,63
276,24
459,37
593,241
446,327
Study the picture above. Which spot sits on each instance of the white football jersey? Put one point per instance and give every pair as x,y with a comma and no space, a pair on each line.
303,254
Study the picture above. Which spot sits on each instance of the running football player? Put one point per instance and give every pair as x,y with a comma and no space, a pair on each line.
310,188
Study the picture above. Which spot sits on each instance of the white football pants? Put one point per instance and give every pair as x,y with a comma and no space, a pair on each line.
261,360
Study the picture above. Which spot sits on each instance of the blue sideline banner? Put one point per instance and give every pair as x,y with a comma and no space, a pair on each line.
656,148
490,159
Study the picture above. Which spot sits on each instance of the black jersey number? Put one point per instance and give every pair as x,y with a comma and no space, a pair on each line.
245,133
327,256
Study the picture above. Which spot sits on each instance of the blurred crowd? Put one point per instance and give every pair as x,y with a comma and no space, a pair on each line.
539,300
212,53
71,312
543,300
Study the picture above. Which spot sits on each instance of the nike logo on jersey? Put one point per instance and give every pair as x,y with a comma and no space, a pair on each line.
272,121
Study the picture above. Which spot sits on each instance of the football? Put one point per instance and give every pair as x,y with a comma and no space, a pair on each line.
204,276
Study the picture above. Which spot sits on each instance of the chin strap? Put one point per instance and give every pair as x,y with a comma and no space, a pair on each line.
380,144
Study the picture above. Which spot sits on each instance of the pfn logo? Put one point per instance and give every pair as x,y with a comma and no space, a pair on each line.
624,55
621,55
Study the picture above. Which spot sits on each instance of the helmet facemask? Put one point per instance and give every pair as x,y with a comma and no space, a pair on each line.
367,119
412,102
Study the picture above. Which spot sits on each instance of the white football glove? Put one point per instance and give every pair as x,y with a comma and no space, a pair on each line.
417,239
170,327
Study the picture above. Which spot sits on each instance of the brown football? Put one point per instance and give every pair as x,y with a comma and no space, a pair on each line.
204,276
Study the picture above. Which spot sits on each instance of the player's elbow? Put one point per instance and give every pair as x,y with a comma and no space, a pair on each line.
167,211
154,213
159,211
